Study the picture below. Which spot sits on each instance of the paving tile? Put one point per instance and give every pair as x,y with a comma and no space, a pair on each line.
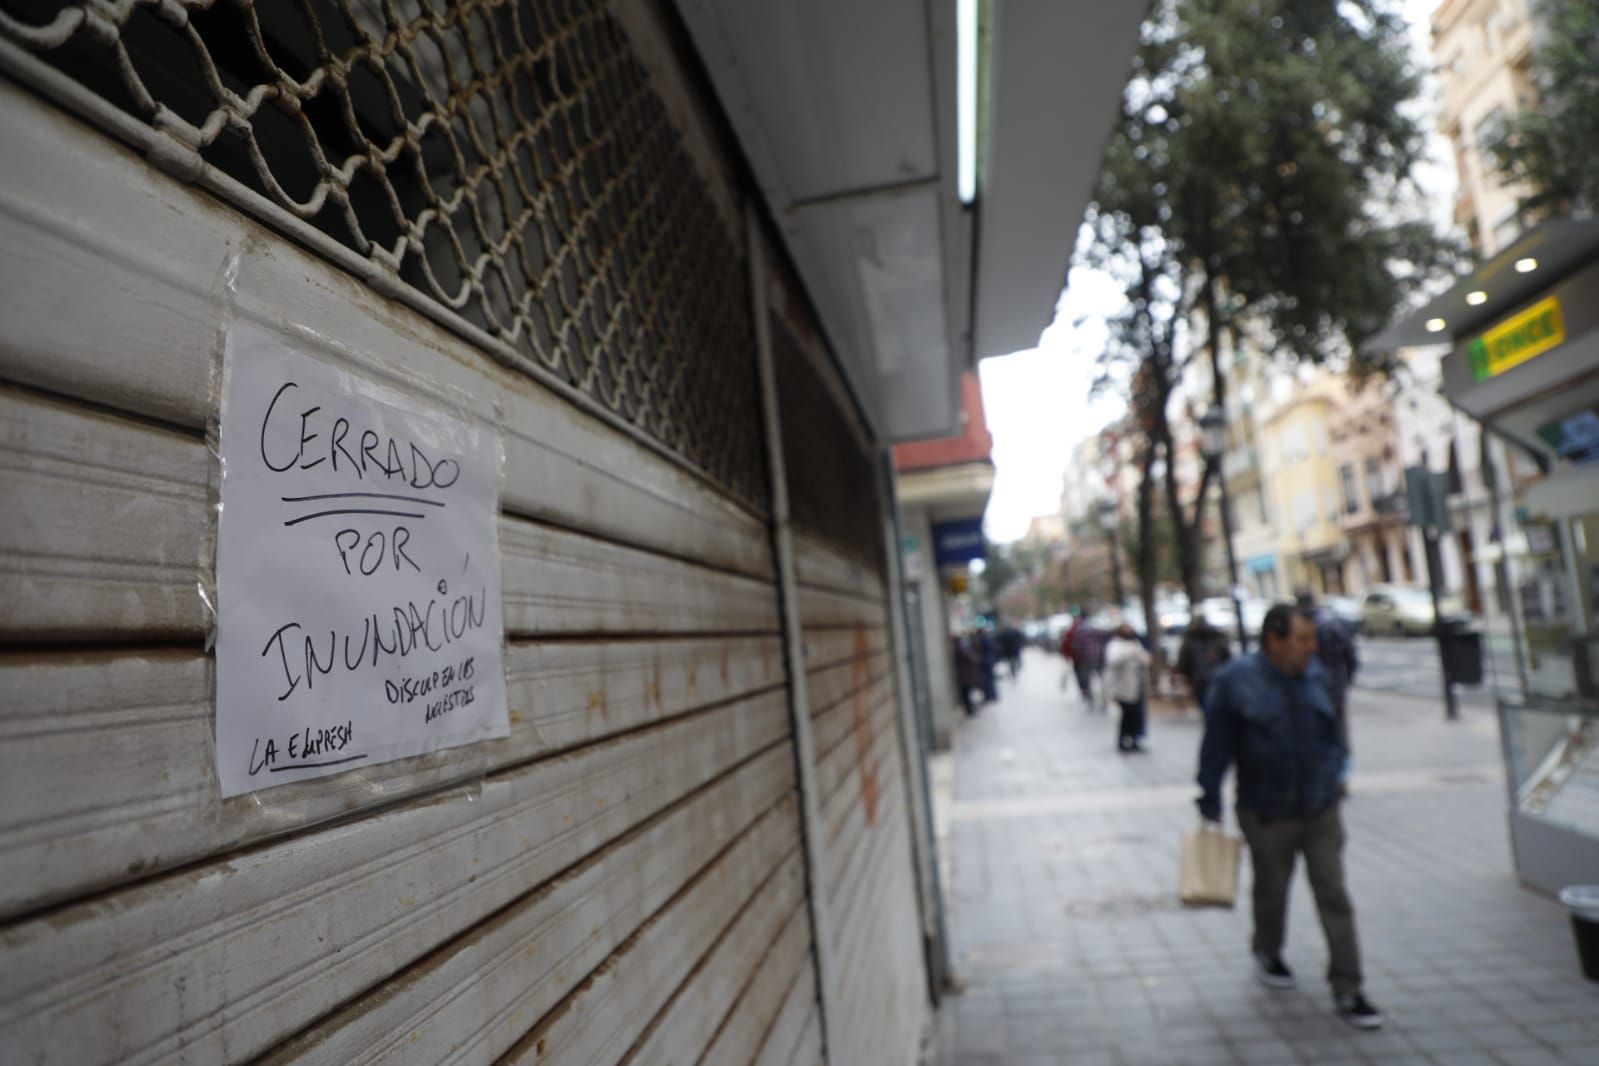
1203,1055
1313,1047
1567,1032
1264,1053
1495,1037
1034,1036
1090,1058
1531,1056
980,1040
1438,1042
1247,1030
1468,1015
1192,1033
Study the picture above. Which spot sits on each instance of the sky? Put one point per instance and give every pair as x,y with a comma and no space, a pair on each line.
1036,401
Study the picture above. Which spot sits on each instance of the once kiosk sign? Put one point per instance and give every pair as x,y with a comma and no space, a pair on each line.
358,574
1517,339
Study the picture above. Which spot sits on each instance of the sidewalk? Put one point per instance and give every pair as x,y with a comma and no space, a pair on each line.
1060,878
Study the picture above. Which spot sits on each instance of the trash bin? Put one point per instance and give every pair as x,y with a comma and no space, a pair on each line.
1583,902
1461,647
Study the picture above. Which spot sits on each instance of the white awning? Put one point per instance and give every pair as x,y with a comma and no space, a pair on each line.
847,114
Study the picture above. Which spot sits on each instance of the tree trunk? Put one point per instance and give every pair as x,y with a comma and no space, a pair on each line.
1213,330
1188,568
1148,553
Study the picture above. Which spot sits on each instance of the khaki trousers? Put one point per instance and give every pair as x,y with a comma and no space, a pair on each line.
1273,847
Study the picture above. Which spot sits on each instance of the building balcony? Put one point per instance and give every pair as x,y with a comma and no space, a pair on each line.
1366,519
1391,504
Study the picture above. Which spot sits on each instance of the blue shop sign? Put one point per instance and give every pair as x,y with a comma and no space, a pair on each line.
1259,564
959,542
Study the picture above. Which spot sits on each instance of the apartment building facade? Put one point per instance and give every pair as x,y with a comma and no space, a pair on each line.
1482,50
1371,491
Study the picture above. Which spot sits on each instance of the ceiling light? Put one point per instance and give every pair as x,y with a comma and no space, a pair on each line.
1436,325
1475,298
1527,265
966,100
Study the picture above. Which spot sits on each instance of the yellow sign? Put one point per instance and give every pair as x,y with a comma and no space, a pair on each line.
1517,339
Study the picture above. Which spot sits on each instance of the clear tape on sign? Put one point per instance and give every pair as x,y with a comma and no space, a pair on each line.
226,289
304,805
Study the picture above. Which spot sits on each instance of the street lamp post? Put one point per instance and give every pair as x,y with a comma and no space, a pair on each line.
1109,519
1213,443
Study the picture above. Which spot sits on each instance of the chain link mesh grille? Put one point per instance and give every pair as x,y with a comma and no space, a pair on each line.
506,160
832,480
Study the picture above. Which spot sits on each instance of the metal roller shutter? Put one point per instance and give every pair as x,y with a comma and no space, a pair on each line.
541,234
861,782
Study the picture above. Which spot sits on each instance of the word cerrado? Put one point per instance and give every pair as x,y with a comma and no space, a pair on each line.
367,453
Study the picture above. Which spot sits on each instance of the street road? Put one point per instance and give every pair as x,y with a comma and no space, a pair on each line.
1408,666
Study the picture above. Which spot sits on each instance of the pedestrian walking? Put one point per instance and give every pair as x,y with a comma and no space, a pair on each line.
1203,651
1271,714
988,649
1010,649
1065,649
1088,657
968,671
1126,671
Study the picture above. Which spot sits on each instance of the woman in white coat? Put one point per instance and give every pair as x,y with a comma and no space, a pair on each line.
1126,669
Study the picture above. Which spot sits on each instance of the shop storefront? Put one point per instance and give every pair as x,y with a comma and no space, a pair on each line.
1524,330
1262,571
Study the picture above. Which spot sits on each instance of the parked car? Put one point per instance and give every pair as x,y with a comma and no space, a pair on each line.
1347,610
1403,610
1219,612
1173,614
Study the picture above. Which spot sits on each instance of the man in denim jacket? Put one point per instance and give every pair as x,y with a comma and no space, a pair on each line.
1272,714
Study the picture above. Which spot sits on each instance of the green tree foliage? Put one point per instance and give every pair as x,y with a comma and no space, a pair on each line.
1003,565
1016,563
1292,125
1552,147
1261,172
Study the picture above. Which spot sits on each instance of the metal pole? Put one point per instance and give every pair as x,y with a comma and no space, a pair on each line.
1232,563
799,702
1506,596
1115,568
910,681
1435,565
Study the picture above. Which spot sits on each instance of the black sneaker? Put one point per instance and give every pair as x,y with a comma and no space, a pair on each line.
1273,972
1357,1010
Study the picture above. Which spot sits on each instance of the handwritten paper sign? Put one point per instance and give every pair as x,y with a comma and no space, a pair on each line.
358,579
